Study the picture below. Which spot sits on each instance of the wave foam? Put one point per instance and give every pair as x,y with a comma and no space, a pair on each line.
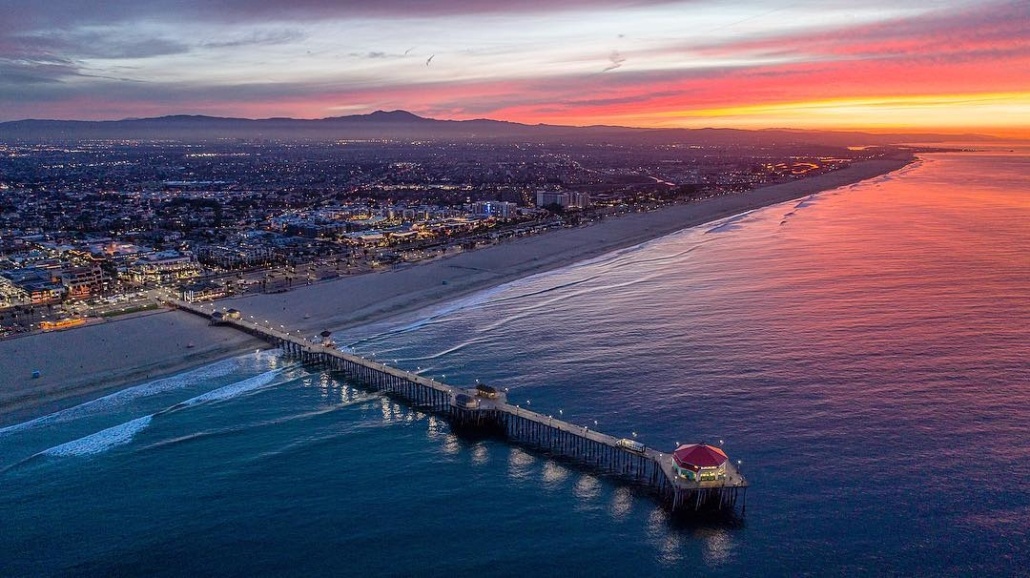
424,317
101,441
807,202
233,389
730,224
121,398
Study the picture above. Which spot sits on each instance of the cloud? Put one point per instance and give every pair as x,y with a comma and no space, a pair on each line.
65,59
104,46
373,55
41,70
72,13
259,38
616,60
984,31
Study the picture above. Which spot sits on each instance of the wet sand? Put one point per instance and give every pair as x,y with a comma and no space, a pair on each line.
87,362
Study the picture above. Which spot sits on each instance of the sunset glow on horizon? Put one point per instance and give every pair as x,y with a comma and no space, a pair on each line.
950,66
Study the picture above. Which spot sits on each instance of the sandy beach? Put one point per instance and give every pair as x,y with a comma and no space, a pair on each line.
97,359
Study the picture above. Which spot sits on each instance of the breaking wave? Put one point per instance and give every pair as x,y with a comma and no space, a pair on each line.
101,441
730,224
232,390
123,397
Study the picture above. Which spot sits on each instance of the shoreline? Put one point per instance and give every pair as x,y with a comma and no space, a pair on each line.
95,360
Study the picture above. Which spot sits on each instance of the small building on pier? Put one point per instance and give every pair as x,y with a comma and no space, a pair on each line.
466,401
487,391
700,462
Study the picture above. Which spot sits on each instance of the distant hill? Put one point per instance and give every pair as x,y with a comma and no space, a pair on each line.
402,125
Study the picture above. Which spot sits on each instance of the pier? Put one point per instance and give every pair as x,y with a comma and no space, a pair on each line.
681,487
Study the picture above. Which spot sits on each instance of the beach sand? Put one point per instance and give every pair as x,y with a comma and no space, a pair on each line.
91,361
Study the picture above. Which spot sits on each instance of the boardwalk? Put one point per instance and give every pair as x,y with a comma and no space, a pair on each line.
484,409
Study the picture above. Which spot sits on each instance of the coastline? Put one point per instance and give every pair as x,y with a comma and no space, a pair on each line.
97,359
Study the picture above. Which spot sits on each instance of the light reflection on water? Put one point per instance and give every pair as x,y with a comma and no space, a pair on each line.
520,464
587,488
451,445
717,545
669,545
553,474
480,454
621,504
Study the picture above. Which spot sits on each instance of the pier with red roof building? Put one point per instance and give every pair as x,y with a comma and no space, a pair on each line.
691,478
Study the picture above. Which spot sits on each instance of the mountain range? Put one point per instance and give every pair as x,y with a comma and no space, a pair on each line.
405,126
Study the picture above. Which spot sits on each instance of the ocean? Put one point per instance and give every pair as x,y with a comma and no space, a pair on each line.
864,352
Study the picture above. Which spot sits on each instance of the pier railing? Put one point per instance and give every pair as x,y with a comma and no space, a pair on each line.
474,409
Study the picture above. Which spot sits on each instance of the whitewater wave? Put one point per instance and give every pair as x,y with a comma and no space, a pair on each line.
123,397
488,297
101,441
232,390
358,400
121,434
424,318
546,290
808,202
659,259
448,351
530,309
730,224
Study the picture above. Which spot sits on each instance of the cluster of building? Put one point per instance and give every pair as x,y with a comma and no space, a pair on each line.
48,268
39,271
101,219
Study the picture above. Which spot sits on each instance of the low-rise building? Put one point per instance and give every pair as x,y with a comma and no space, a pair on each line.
82,282
164,267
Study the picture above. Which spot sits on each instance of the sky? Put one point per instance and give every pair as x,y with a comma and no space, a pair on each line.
877,65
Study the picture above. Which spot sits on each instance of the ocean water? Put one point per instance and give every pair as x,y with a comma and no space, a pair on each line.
865,352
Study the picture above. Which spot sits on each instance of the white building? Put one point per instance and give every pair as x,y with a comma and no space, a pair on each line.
551,198
497,209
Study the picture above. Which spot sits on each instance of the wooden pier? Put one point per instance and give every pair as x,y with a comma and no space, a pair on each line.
485,409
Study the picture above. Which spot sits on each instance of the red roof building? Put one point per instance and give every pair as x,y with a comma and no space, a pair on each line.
700,462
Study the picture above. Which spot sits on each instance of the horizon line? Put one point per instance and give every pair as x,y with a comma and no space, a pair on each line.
871,130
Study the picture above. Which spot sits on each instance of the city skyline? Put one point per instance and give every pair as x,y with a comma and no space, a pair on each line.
951,66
